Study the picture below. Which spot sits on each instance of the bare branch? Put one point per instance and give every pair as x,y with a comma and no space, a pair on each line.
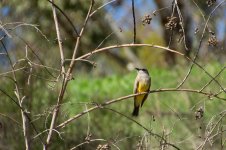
98,106
181,25
58,38
213,79
86,142
222,114
128,45
12,119
154,46
149,131
101,7
69,20
200,43
134,23
65,81
24,115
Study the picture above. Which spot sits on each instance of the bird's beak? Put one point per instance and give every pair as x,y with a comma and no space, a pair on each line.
137,69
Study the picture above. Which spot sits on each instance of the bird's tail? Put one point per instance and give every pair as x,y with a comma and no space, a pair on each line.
135,111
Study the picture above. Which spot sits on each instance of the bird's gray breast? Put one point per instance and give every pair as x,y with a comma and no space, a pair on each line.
144,78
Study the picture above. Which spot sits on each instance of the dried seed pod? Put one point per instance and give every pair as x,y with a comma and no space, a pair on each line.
171,24
199,113
147,19
212,41
210,2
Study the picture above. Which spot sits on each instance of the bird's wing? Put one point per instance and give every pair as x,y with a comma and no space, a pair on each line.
146,95
136,83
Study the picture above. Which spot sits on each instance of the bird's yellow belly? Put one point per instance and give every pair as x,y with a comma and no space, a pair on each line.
142,87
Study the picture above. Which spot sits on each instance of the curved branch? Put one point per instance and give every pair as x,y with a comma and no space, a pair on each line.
128,45
132,95
154,46
99,106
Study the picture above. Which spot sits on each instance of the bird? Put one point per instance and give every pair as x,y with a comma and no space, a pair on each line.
142,84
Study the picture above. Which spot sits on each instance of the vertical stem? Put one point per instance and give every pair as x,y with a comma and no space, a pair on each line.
134,23
66,78
55,111
24,116
59,39
26,130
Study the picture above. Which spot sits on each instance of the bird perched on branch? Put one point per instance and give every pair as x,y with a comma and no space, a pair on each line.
142,84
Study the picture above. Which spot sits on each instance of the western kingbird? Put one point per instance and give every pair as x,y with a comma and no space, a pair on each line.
142,84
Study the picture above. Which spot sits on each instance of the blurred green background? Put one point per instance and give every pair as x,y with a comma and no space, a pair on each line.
169,114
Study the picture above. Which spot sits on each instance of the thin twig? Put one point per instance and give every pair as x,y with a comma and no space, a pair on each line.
128,45
104,40
44,66
203,16
58,38
172,14
33,52
5,31
101,7
69,20
200,43
212,79
38,76
30,25
67,76
12,119
149,131
86,142
84,60
25,116
134,22
23,113
5,73
181,25
222,114
160,9
25,124
88,123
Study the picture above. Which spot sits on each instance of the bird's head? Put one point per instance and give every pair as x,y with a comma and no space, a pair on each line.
142,70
